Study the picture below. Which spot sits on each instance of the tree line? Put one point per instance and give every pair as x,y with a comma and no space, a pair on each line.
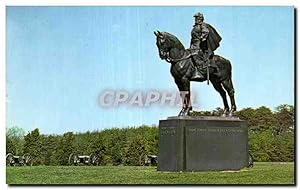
271,138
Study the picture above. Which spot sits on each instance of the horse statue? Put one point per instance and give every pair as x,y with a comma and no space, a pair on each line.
182,69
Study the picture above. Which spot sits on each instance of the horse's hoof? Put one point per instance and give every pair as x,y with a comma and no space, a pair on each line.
186,114
226,114
231,113
181,113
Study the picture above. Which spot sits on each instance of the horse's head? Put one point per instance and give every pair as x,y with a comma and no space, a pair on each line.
162,44
165,42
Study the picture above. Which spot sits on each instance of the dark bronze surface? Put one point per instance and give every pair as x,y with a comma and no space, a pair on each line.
197,63
202,144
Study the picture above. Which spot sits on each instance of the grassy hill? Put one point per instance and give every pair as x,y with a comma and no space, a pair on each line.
261,173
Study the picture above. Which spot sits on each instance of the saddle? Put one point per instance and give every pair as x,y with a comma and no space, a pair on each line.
200,61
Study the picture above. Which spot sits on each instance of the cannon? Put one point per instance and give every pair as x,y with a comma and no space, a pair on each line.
75,159
12,160
148,160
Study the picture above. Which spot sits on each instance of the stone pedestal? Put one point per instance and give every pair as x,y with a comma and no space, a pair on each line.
202,144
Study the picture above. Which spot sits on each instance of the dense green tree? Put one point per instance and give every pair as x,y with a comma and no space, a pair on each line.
98,148
82,143
65,148
258,119
49,149
33,146
247,114
284,116
263,118
135,151
15,140
271,138
15,132
11,146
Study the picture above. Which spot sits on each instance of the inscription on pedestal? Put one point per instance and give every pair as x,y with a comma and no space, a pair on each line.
202,145
216,130
171,143
168,131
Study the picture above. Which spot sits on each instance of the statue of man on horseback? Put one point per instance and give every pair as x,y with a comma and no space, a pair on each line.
205,40
190,64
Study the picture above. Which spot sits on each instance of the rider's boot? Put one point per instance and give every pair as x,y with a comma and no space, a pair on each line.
197,75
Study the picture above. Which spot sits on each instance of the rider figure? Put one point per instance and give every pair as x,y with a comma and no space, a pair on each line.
205,40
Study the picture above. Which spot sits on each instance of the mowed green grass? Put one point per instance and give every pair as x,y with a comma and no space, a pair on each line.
261,173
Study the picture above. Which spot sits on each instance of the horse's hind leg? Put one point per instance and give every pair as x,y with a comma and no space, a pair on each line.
230,90
217,85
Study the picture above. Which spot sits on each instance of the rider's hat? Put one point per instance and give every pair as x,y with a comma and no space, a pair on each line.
198,15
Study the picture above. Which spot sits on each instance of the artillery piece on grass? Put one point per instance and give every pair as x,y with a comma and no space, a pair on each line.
75,159
12,160
148,160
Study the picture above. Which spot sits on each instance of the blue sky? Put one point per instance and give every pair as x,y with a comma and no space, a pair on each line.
59,59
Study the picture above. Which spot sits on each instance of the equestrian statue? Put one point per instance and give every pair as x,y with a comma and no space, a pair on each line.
198,63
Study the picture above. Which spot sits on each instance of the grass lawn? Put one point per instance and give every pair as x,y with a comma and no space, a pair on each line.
261,173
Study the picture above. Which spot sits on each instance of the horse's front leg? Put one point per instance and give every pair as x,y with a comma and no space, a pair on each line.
181,113
187,103
184,88
188,110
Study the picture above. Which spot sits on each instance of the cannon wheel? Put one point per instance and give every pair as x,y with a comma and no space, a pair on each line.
9,159
148,161
154,161
27,160
94,159
73,159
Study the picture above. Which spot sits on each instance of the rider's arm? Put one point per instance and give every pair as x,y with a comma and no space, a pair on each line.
204,32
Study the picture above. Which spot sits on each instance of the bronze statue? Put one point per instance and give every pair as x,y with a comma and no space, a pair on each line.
184,68
205,39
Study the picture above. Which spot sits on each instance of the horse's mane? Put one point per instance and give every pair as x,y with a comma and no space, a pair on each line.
174,39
